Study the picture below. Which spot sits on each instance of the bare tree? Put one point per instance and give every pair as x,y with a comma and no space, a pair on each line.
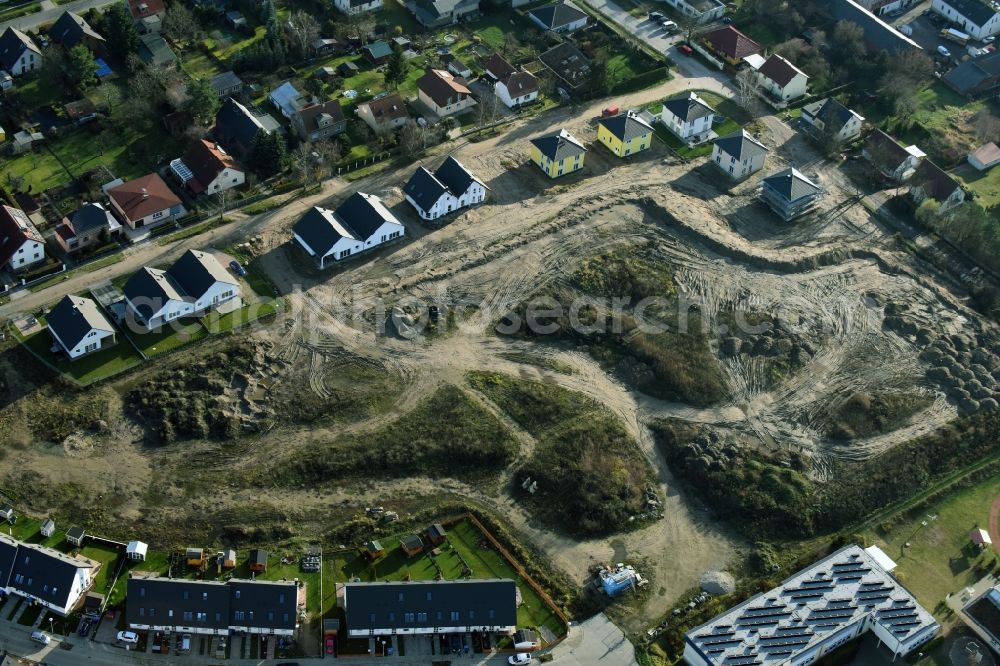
487,110
748,92
986,125
180,24
110,94
305,163
302,30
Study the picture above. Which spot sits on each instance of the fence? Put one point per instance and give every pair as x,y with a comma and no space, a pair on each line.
366,162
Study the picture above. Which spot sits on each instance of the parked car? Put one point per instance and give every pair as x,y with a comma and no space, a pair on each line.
944,51
668,25
331,643
237,268
41,637
519,658
656,16
128,637
84,628
906,29
727,19
989,39
686,50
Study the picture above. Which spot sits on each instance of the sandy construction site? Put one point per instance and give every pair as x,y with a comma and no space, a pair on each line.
850,309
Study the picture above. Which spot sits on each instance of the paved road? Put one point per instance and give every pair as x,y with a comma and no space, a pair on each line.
32,21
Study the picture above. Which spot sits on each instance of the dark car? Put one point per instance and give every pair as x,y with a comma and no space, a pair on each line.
727,19
84,628
237,268
656,16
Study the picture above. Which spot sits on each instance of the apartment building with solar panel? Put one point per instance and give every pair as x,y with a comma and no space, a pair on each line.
815,611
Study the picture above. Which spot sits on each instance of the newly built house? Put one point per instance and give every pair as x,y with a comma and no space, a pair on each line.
689,117
831,120
789,193
625,134
361,223
78,327
55,580
21,246
448,188
558,154
738,154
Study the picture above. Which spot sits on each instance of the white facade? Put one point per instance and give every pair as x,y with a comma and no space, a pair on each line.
91,342
795,88
569,27
30,253
737,169
449,203
345,247
79,585
703,10
28,61
168,311
683,129
353,9
216,295
463,103
511,101
418,631
968,26
228,178
849,131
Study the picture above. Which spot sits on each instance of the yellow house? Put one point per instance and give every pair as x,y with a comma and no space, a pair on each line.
625,134
558,154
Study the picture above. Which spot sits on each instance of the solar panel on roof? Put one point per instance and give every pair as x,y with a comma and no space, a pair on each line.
902,612
908,623
761,623
807,595
770,612
727,641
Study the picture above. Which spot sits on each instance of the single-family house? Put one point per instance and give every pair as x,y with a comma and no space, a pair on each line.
570,66
374,550
412,545
781,79
21,246
203,280
47,529
71,29
75,535
430,607
145,201
831,120
227,558
226,84
891,159
257,560
559,17
384,114
153,298
201,607
154,50
625,134
977,18
194,557
985,157
53,579
315,122
78,327
286,99
436,534
449,188
207,168
514,87
558,154
738,154
702,11
975,77
931,182
444,93
147,14
439,13
7,512
136,551
377,53
730,45
195,283
789,193
355,7
348,68
18,53
86,226
361,223
689,117
456,66
324,46
236,127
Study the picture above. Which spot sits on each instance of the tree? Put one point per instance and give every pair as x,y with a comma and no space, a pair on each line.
305,164
122,36
395,68
599,79
986,125
268,154
111,94
81,66
202,102
302,30
747,89
180,24
53,66
414,138
927,213
486,110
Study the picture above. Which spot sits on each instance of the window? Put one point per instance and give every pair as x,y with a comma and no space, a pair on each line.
238,616
188,615
400,596
428,596
142,612
409,618
157,214
202,617
455,615
170,612
237,595
492,613
152,612
142,591
371,618
204,596
422,618
270,616
281,598
472,615
392,616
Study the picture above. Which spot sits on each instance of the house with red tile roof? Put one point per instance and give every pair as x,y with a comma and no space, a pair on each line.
145,201
730,44
444,93
21,246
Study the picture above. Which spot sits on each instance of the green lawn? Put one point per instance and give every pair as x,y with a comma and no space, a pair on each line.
216,323
90,368
197,64
734,116
167,338
108,557
22,10
986,184
29,530
465,547
939,560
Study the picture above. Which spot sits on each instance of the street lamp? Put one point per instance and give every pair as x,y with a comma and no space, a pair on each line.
383,647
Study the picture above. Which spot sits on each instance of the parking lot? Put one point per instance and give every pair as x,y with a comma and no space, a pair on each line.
927,33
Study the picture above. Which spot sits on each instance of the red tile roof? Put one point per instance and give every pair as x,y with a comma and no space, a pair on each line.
207,160
143,196
15,230
442,86
732,43
140,9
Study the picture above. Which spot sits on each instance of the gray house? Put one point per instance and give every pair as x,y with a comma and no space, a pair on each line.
438,13
789,193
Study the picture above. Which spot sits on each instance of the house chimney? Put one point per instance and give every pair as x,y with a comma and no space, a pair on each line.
145,193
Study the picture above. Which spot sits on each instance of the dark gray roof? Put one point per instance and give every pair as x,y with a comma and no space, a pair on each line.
559,146
424,188
44,573
195,272
975,75
364,214
88,217
195,604
568,63
264,604
358,218
73,318
832,113
225,81
236,126
558,14
740,145
689,107
791,184
8,553
626,126
975,10
433,10
878,35
70,28
148,286
12,44
385,604
455,176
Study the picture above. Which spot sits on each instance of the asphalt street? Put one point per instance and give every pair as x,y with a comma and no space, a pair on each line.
32,21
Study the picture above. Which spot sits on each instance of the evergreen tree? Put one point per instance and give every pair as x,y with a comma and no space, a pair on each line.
81,66
268,155
395,69
123,38
202,102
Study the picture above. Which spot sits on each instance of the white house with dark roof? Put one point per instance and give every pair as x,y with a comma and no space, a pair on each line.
78,327
829,118
18,53
789,193
21,246
204,280
559,17
781,79
689,117
977,18
738,154
514,87
195,283
702,11
355,7
449,188
53,579
361,223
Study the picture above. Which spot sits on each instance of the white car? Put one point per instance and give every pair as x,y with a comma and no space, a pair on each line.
128,637
41,637
943,51
519,658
